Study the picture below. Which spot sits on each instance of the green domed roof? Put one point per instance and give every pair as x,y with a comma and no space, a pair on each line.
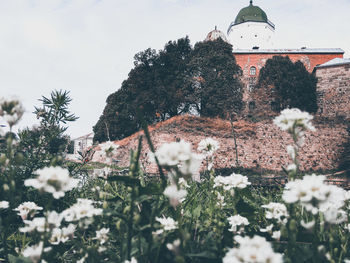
251,13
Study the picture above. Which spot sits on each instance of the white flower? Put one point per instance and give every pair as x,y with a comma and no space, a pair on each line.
294,118
62,235
102,235
4,204
11,110
27,209
236,221
55,180
252,250
267,229
167,224
291,167
335,216
291,151
232,181
178,154
109,148
84,208
347,195
133,260
316,196
40,224
174,246
276,235
307,225
208,146
33,252
175,195
221,199
276,211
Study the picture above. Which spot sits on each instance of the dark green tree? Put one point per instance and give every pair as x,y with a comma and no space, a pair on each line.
295,86
216,89
154,88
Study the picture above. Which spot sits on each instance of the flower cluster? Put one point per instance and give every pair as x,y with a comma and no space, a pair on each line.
4,204
208,146
252,250
276,211
42,224
27,209
84,208
232,181
102,235
62,235
237,221
176,195
180,155
54,180
291,119
316,196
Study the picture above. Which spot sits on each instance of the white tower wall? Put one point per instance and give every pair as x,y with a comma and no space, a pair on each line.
251,34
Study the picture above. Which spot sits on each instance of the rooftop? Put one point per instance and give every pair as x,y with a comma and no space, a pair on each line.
335,62
290,51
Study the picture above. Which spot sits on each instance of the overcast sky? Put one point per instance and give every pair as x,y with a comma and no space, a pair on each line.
87,46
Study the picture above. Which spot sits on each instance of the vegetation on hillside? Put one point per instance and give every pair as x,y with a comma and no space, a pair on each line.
179,79
294,86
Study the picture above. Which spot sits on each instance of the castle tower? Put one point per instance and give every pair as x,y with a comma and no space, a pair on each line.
251,29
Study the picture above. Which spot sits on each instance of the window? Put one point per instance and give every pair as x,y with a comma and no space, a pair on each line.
252,82
252,71
251,105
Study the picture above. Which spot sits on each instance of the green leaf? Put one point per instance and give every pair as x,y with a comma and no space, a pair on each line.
13,259
125,179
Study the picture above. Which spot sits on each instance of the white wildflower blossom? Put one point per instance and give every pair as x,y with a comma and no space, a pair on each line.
335,216
252,250
314,194
167,223
232,181
183,183
208,146
133,260
221,199
84,208
4,204
27,209
54,180
11,110
276,211
62,235
102,235
178,154
291,167
294,118
307,225
174,246
42,224
291,151
237,221
276,235
33,252
267,229
175,195
347,195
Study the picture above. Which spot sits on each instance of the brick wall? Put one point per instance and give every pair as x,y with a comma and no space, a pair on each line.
333,90
260,145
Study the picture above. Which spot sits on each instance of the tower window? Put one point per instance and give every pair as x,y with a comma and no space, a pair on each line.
252,71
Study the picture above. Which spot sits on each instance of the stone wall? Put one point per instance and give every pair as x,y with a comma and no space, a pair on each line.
333,90
260,145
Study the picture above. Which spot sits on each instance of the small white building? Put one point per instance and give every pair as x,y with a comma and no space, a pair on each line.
251,29
83,142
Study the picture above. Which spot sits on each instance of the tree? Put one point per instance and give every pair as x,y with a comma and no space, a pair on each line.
295,86
216,88
154,88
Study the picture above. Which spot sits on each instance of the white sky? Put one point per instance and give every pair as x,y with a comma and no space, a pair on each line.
87,46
